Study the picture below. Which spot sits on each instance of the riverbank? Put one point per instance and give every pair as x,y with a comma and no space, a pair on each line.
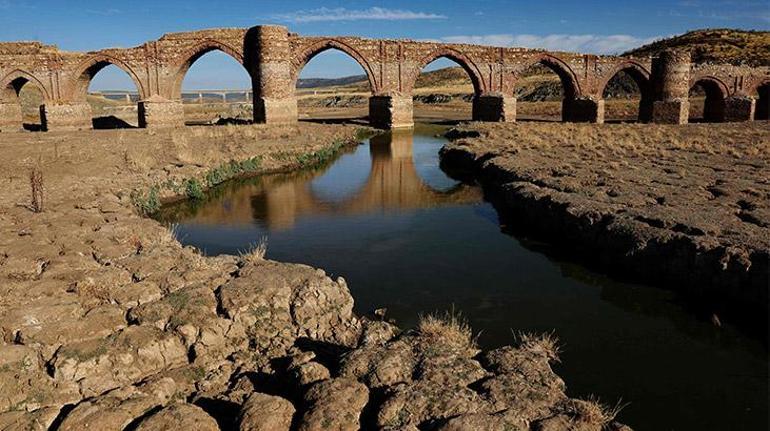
682,206
107,322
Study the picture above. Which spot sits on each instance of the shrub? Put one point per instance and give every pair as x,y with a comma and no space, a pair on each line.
36,183
194,189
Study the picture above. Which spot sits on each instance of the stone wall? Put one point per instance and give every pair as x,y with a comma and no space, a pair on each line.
274,58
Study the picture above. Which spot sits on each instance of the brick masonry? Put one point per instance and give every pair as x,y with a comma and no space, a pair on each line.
274,57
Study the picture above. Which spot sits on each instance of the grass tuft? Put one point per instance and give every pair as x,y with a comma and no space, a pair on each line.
256,252
448,329
546,344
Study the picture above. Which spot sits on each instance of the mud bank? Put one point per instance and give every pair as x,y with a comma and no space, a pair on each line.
686,207
107,322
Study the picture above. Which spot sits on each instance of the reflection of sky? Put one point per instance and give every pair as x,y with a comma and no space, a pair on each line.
348,175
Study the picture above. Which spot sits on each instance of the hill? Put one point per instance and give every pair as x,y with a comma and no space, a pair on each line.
716,46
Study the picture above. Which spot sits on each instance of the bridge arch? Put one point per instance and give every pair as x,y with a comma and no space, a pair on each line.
303,58
479,85
87,69
11,84
716,94
641,76
569,79
193,54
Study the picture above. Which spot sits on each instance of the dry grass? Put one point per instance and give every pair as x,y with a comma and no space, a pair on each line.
256,252
36,185
546,344
590,411
448,329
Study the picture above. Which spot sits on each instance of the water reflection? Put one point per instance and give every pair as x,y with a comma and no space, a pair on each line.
389,180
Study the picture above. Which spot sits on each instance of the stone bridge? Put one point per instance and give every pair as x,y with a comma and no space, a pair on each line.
274,57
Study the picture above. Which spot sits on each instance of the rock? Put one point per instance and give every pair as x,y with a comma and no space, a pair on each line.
484,422
310,372
334,404
262,412
38,420
112,411
181,416
24,384
277,303
120,359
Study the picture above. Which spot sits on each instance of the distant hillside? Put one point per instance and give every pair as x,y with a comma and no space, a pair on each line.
716,46
329,82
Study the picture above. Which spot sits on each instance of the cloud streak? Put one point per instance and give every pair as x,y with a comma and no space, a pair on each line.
342,14
586,43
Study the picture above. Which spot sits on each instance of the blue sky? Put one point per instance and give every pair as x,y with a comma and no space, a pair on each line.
598,26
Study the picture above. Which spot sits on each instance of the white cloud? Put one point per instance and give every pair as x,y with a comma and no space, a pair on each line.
343,14
586,43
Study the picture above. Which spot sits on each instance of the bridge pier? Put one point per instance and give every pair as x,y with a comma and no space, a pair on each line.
274,98
739,108
671,85
157,112
391,111
583,110
66,116
494,108
10,117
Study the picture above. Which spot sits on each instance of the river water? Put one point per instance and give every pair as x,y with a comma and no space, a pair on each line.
409,238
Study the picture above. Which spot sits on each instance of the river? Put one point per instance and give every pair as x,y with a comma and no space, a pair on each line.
408,238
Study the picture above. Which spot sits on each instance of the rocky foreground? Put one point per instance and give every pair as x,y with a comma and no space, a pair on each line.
683,206
108,323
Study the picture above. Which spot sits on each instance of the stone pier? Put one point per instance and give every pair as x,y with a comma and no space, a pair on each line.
671,86
583,110
156,112
274,98
66,116
392,111
739,108
10,117
496,108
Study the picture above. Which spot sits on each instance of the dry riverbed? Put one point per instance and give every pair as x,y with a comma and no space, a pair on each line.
684,206
107,322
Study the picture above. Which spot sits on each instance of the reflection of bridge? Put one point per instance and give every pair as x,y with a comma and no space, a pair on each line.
274,57
393,184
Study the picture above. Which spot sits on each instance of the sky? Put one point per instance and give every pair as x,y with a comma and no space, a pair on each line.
589,26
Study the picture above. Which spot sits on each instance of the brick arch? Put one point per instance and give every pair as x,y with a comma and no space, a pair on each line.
11,84
641,76
712,84
569,80
716,94
303,58
637,71
479,85
189,57
87,69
